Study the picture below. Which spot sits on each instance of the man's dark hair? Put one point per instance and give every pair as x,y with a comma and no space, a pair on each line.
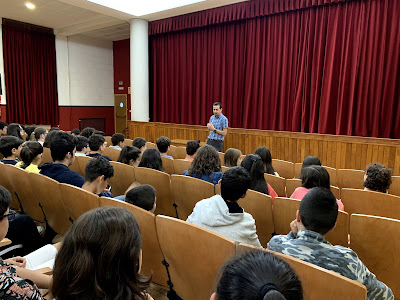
116,138
234,184
50,137
9,142
5,200
319,210
163,143
38,132
81,142
96,167
142,196
75,131
99,132
95,142
87,132
192,146
14,129
139,142
311,161
2,125
217,103
379,178
29,130
315,176
63,144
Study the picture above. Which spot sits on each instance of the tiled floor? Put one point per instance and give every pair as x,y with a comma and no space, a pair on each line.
158,292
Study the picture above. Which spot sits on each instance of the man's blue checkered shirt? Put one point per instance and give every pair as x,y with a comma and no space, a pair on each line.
219,123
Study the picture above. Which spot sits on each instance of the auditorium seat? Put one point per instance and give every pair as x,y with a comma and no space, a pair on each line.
319,283
194,255
371,203
259,206
349,178
161,182
47,191
376,242
168,165
297,169
177,152
277,183
124,176
77,201
150,145
284,168
112,153
395,186
181,165
46,155
152,255
223,169
221,157
108,140
21,183
5,182
82,162
292,185
75,166
187,191
332,175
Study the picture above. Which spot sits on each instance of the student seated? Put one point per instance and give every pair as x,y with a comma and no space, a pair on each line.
232,157
139,143
100,258
311,161
32,156
143,196
62,151
40,135
257,275
317,216
118,141
163,145
206,165
30,136
16,130
266,158
223,215
51,136
87,132
97,172
191,149
377,178
3,128
82,146
313,176
97,144
130,156
75,132
254,165
151,159
10,147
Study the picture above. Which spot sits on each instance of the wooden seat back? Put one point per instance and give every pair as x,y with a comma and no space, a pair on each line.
292,185
150,145
223,169
284,168
124,176
82,162
168,165
77,201
297,170
349,178
46,155
152,255
161,182
21,183
108,140
375,241
47,191
221,157
5,182
332,175
128,142
187,191
177,152
284,212
75,166
319,283
371,203
181,165
277,183
194,256
112,153
259,206
395,186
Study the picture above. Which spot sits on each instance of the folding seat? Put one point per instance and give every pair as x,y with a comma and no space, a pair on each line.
112,153
284,168
124,176
181,165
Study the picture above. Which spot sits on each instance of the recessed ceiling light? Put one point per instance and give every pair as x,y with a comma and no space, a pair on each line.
30,5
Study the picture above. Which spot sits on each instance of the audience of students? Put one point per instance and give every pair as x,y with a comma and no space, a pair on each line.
118,141
130,155
31,156
377,178
313,176
206,165
40,135
143,196
10,147
191,149
151,159
257,275
3,128
51,135
232,157
97,172
100,258
317,216
75,132
139,143
82,146
16,130
163,144
266,158
97,144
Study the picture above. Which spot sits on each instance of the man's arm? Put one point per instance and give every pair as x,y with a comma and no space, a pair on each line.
222,132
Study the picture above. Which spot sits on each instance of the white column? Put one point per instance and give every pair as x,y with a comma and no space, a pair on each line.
139,55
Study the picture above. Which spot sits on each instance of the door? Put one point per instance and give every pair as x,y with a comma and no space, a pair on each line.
120,113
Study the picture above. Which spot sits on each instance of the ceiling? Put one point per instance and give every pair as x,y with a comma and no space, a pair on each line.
72,17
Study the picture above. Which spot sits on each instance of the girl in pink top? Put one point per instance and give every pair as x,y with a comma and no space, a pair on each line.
313,176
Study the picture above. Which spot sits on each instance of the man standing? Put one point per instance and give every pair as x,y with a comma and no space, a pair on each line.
218,127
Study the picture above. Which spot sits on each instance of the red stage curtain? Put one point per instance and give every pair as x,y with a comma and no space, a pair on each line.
30,74
322,67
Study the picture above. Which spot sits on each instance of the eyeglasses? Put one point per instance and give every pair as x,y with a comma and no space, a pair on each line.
10,216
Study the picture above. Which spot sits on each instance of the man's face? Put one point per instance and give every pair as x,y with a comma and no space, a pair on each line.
217,110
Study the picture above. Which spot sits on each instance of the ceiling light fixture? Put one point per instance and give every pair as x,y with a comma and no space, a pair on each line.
30,5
